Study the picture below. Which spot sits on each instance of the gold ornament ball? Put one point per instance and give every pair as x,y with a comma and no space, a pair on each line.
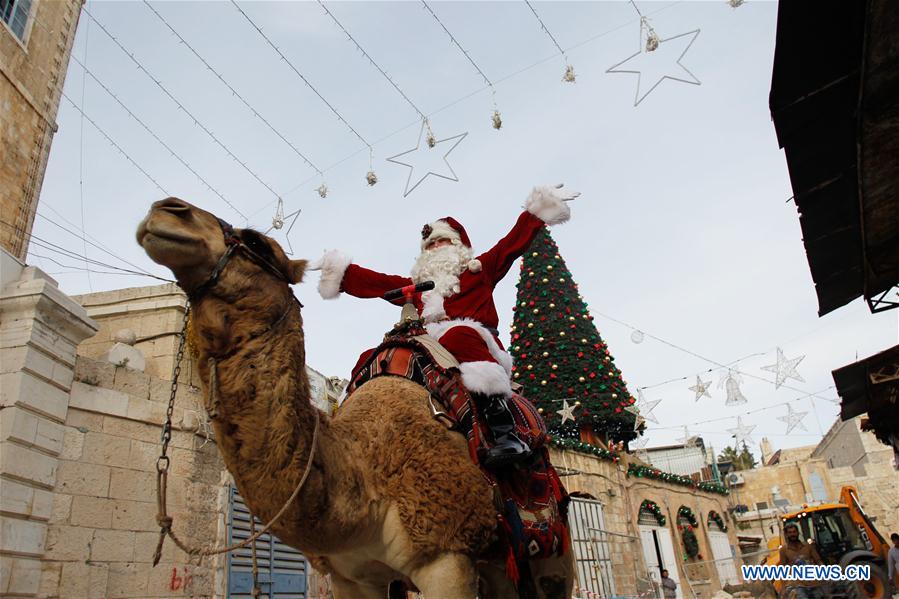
585,316
534,254
531,274
536,310
577,404
545,281
583,341
539,410
557,257
606,359
552,305
543,383
513,328
530,325
546,354
571,318
614,396
555,366
562,280
581,379
530,366
562,334
540,339
550,267
517,374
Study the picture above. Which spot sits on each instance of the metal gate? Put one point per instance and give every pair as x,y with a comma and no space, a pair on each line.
593,558
282,569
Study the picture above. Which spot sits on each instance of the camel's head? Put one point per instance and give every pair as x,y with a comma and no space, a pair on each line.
191,242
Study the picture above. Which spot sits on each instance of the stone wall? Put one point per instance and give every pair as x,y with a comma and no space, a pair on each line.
621,498
31,75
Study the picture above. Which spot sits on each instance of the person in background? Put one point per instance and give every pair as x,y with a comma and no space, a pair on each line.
893,561
669,587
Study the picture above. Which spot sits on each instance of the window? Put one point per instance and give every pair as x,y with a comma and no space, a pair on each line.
590,541
282,569
15,14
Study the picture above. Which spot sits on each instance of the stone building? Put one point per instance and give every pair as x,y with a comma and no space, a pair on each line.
35,43
815,474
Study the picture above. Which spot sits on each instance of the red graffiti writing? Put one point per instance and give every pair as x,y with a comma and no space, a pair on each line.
180,581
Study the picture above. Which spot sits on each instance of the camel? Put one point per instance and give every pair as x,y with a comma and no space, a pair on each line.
391,493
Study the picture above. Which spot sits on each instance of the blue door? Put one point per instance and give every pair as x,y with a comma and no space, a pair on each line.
282,569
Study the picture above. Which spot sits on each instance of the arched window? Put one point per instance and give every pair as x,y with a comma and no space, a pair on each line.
687,525
651,514
716,520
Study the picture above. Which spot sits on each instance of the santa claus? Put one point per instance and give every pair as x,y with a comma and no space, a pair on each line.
459,312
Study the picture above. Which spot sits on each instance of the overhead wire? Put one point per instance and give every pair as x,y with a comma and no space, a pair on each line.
181,106
90,283
224,82
545,28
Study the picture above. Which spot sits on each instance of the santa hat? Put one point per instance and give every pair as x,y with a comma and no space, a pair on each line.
448,228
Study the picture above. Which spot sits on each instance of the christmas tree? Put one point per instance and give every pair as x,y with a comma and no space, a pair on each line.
560,359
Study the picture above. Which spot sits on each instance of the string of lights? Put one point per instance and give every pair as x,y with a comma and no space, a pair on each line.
458,45
232,90
154,135
115,145
545,28
181,107
372,60
300,75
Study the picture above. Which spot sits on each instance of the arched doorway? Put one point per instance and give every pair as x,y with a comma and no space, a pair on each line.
655,538
722,550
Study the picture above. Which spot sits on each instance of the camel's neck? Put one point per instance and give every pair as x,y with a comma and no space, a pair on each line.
254,349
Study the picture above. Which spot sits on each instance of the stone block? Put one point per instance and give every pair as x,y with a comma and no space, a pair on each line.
68,543
128,580
22,537
112,546
160,389
35,361
28,464
49,436
132,382
151,412
98,399
132,484
84,421
92,512
78,478
19,576
94,372
130,429
51,574
61,508
72,444
126,356
109,450
134,515
75,579
18,425
143,455
24,389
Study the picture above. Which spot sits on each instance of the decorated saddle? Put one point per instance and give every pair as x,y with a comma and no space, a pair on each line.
531,500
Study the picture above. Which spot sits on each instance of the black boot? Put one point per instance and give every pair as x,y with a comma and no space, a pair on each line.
508,448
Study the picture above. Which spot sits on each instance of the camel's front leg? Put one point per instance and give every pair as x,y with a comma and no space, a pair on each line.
450,576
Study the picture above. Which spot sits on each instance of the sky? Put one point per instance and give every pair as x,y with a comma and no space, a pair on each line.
684,230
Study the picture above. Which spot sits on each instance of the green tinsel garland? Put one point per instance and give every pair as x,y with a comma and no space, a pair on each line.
675,479
655,510
716,518
585,448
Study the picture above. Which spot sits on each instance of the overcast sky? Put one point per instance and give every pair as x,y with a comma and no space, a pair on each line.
684,229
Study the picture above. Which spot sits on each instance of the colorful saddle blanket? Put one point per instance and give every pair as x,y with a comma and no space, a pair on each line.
532,502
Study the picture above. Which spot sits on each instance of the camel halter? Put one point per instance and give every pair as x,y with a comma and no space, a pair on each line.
165,521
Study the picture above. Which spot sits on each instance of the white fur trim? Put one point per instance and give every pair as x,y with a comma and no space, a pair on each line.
545,203
485,377
334,265
432,306
437,330
441,230
475,265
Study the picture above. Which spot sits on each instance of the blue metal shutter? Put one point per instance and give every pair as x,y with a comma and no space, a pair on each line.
282,569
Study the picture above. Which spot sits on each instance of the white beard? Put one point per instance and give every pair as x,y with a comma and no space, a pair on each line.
442,265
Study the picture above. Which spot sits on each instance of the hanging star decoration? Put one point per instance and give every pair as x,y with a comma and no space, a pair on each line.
687,439
656,60
741,433
701,388
567,411
417,154
731,380
280,219
793,419
644,407
639,448
784,368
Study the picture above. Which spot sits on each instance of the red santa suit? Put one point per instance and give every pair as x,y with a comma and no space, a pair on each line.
464,320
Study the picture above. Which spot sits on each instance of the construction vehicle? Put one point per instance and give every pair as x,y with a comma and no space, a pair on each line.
844,535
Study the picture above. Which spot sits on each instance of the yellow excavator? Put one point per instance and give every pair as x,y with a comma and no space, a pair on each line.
844,535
